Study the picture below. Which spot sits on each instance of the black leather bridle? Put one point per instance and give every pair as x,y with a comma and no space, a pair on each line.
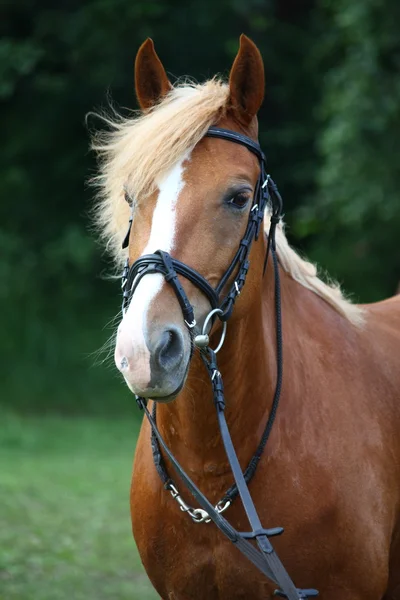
266,194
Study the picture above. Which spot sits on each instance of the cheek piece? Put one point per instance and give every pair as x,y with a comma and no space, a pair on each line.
266,194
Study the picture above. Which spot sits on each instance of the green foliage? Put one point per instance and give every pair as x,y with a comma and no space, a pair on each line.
330,126
359,180
65,527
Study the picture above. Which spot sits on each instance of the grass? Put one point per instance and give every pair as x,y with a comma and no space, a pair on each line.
64,521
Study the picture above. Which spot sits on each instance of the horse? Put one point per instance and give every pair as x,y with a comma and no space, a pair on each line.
330,472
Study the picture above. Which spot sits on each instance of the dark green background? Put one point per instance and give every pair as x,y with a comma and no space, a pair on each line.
330,126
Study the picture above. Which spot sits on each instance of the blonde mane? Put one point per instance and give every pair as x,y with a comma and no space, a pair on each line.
138,151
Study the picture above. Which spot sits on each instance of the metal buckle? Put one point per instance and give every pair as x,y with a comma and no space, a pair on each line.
192,324
198,515
215,374
221,506
266,181
201,341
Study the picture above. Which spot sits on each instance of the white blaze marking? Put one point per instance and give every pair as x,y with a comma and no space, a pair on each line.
134,323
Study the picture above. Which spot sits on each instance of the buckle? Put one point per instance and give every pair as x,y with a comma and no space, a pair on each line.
190,325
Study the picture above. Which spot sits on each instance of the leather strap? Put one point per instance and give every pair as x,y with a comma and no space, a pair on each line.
238,138
171,277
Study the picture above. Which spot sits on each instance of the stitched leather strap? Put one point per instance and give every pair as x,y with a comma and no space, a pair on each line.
238,138
171,277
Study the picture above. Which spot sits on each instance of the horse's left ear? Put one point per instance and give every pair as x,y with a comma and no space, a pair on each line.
151,81
246,81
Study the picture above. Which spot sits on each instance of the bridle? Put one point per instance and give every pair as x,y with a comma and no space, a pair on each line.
162,262
266,194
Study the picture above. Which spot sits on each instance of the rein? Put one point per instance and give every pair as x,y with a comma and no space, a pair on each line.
266,193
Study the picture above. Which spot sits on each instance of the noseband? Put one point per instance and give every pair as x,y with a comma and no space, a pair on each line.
266,193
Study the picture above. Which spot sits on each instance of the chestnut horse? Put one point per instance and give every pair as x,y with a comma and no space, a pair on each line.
330,473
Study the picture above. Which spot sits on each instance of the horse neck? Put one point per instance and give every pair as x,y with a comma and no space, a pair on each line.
311,329
247,363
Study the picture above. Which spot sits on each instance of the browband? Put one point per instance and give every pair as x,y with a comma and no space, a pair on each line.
238,138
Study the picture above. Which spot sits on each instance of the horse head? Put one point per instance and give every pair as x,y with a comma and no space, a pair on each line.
194,205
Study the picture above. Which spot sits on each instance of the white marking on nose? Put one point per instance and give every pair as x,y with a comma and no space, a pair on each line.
131,342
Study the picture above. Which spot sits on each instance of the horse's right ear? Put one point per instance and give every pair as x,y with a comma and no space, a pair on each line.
151,81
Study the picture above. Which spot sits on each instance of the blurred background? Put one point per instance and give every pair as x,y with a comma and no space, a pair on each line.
330,126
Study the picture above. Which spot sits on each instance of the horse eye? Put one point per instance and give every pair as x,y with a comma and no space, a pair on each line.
239,200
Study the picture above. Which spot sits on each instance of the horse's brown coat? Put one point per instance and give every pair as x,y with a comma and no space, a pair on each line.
331,471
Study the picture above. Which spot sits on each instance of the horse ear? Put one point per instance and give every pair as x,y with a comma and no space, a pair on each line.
246,81
151,81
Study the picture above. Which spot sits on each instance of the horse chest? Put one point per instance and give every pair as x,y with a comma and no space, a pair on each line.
188,561
185,560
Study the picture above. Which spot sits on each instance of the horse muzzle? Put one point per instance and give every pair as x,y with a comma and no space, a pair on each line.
158,367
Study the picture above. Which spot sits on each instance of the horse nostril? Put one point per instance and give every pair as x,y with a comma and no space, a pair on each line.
169,350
